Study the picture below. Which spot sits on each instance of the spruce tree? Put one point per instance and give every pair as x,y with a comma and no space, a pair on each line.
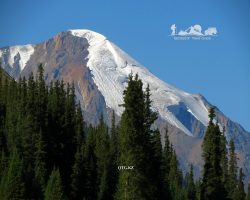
134,144
54,188
103,161
90,187
224,159
212,187
12,183
40,166
175,179
191,190
78,175
232,171
78,171
156,164
167,154
239,193
113,156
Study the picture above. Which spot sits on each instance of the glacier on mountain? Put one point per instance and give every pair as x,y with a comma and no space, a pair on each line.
111,66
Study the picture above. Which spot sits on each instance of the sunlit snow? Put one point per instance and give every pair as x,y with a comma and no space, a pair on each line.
24,51
111,66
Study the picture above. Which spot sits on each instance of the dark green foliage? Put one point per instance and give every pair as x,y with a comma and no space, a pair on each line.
135,144
156,163
248,192
175,179
40,165
239,192
78,171
113,156
191,190
91,165
167,154
44,126
224,158
12,182
54,188
232,171
172,175
42,131
103,160
212,187
78,176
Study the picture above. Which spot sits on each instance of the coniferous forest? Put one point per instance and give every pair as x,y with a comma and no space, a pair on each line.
48,152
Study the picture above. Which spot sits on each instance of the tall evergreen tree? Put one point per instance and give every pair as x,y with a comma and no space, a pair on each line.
54,188
167,154
40,166
12,183
113,156
78,175
232,171
239,193
212,187
175,179
191,190
156,164
103,161
134,144
78,171
90,188
224,158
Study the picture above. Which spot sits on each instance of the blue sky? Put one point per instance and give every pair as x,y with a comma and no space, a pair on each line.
219,69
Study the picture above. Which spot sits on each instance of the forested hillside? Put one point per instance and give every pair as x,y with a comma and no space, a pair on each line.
47,151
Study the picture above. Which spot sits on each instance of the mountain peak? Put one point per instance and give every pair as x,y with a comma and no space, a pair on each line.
92,36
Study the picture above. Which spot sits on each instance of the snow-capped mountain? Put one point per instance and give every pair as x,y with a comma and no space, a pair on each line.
111,66
100,70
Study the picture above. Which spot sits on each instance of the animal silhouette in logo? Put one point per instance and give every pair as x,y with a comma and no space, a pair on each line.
195,30
211,31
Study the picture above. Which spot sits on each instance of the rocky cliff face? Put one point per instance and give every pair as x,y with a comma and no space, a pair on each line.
99,70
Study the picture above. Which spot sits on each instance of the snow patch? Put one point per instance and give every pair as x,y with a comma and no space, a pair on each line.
23,51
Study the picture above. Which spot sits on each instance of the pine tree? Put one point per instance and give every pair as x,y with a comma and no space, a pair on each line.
134,144
224,159
212,187
12,183
191,190
198,189
239,193
78,171
175,179
90,188
78,176
54,188
167,154
113,172
156,164
40,166
103,161
232,172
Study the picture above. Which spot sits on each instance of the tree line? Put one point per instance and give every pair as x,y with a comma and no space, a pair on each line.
48,152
